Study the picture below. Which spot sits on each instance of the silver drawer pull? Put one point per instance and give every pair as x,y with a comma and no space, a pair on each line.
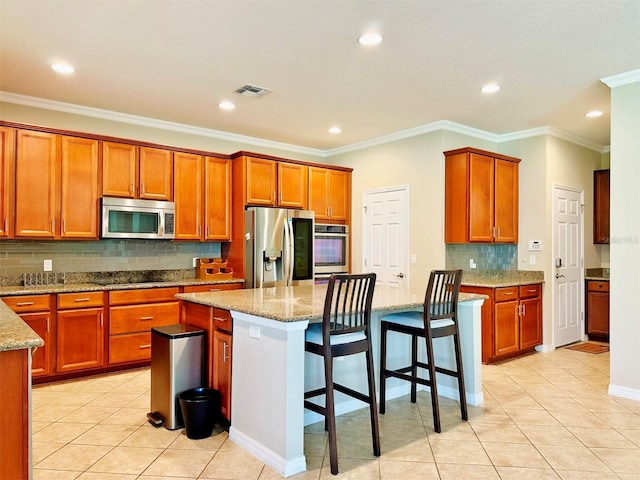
24,304
81,299
220,319
143,347
146,318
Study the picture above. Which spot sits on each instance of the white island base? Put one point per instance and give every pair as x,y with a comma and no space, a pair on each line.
271,372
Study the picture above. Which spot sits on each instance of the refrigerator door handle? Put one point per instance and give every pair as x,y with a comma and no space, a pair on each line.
289,247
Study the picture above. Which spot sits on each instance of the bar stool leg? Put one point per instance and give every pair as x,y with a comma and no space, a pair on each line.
383,365
435,407
461,388
330,416
373,410
414,367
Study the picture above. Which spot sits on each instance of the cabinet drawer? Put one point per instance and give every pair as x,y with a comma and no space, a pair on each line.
530,291
222,319
595,286
28,303
506,293
129,348
212,287
141,318
80,300
143,295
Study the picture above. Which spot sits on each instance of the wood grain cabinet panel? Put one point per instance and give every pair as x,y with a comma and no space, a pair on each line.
80,339
37,183
119,169
481,197
222,369
7,180
156,174
598,309
293,185
188,195
79,189
601,208
217,205
261,182
329,194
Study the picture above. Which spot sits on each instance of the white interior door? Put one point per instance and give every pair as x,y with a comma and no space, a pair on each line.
386,234
568,266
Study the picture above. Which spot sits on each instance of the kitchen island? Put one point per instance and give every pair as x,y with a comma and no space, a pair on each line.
271,371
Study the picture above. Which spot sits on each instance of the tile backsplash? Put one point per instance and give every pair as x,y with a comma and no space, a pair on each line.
18,257
486,257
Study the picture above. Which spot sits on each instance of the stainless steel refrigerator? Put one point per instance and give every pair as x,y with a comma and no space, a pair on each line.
278,247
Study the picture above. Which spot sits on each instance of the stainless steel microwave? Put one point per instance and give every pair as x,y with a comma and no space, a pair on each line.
144,219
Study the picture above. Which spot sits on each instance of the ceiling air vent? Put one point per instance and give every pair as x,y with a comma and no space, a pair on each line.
252,91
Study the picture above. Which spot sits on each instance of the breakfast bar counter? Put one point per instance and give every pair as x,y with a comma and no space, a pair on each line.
271,372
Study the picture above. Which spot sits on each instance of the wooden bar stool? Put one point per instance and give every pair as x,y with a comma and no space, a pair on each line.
438,319
345,330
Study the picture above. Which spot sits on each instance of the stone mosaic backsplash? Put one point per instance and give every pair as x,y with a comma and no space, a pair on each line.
486,257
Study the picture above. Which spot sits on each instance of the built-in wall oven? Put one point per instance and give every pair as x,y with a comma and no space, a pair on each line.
330,250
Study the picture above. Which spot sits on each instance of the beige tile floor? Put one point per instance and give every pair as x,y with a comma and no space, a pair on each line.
546,416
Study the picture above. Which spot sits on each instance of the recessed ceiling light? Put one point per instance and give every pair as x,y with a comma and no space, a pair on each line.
63,68
490,88
593,114
335,130
370,39
226,105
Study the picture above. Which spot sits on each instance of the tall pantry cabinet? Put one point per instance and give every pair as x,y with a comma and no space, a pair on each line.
7,165
481,197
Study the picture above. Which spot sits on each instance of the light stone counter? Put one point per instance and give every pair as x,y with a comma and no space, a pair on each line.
14,333
293,304
501,278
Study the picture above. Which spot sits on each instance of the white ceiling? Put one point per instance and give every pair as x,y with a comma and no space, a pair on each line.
175,60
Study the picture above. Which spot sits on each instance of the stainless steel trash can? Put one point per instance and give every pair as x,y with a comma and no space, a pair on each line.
176,365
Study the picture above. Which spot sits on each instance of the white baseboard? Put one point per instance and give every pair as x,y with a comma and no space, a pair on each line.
267,456
624,392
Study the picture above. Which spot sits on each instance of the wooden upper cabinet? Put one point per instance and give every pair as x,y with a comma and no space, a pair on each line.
37,184
601,206
261,182
136,172
293,185
217,205
119,170
481,197
79,189
7,173
188,195
156,174
329,193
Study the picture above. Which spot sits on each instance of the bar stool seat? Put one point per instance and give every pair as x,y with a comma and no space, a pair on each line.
439,318
345,330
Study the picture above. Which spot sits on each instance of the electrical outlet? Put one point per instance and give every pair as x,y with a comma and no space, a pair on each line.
472,263
48,265
414,259
254,332
195,262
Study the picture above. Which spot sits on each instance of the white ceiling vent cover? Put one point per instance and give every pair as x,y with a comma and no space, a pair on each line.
252,91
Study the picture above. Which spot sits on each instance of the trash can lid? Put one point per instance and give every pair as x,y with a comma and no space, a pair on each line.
179,330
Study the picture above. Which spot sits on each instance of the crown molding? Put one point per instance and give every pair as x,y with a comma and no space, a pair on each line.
440,125
151,122
620,79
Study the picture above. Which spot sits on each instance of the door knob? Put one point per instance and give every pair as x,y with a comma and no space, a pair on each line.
400,275
559,276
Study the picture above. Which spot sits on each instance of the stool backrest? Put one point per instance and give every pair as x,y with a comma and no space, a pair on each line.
441,299
347,306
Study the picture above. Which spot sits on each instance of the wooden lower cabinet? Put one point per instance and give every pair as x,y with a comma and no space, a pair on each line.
511,320
132,315
598,309
222,369
80,339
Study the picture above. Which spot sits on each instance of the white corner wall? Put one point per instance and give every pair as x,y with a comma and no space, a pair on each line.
625,239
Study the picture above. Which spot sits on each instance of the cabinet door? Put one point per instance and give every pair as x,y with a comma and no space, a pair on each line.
217,199
37,180
293,183
119,169
156,174
41,359
339,195
80,336
601,206
188,186
530,322
318,188
7,165
79,189
222,369
261,182
507,328
598,313
481,198
506,201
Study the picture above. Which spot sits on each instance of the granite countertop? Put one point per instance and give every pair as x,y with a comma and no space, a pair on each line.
291,304
95,287
14,333
597,279
598,274
501,278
